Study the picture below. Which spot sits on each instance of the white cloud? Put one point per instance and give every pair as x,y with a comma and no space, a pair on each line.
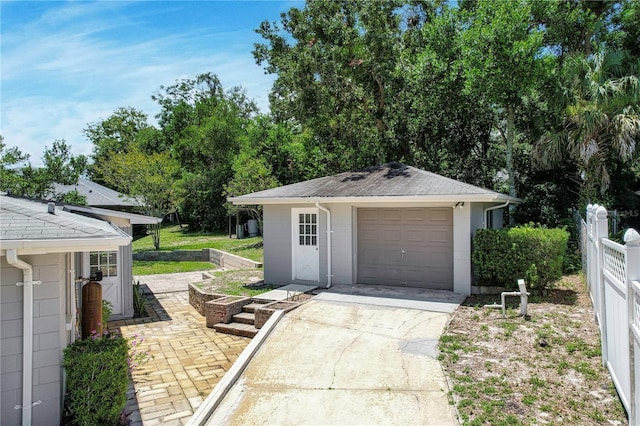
66,70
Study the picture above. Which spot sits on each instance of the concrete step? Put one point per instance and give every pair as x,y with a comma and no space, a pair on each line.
244,318
237,329
251,307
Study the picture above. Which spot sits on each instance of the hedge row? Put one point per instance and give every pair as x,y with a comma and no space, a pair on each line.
97,378
502,256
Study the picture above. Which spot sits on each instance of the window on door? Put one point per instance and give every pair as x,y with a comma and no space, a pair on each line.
308,229
106,261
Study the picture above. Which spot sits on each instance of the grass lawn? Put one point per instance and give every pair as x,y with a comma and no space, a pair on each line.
176,238
163,267
245,282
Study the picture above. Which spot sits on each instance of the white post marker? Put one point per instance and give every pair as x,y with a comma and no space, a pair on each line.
523,299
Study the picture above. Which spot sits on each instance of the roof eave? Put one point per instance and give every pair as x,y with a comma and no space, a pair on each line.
134,218
480,198
65,245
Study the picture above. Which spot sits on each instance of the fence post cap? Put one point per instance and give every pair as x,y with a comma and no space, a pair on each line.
631,237
589,207
601,212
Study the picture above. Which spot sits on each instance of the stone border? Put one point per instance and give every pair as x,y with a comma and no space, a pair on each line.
218,257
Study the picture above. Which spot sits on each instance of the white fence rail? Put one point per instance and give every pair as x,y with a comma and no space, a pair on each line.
613,279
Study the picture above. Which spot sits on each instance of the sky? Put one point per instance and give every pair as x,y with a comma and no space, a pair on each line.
66,64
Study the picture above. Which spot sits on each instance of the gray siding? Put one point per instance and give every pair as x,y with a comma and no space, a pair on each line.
277,244
342,243
477,211
48,329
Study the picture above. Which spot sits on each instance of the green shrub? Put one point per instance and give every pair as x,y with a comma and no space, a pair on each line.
139,302
107,309
502,256
97,377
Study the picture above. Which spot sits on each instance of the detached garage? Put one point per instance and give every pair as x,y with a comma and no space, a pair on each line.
391,225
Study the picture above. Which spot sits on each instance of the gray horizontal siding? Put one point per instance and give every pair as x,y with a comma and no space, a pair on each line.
47,329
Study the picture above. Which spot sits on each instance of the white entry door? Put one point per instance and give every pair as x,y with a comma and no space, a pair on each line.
306,256
109,263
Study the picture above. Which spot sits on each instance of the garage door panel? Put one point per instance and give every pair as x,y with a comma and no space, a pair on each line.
391,256
393,235
391,215
440,236
415,215
370,234
368,215
372,254
413,235
440,215
407,247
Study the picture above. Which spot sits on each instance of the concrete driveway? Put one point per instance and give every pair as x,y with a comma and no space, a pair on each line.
345,359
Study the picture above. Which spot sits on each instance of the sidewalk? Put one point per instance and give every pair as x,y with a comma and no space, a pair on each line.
188,358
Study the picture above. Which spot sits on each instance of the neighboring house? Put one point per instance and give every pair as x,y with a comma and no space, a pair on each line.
40,246
385,225
98,195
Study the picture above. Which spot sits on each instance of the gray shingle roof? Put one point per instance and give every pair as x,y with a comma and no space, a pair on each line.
29,220
388,180
96,194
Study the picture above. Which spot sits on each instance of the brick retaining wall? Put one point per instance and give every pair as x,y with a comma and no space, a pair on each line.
197,298
221,310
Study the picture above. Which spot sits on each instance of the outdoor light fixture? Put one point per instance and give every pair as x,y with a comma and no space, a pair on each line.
460,204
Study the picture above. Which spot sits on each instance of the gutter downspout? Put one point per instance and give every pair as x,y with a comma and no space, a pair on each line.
484,218
329,231
27,335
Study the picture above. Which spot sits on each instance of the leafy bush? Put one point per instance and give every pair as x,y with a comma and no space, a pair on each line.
97,377
501,256
107,309
139,302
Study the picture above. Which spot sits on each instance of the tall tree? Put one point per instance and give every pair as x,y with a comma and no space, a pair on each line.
334,62
10,158
59,166
204,125
148,179
502,59
601,117
446,130
250,174
113,135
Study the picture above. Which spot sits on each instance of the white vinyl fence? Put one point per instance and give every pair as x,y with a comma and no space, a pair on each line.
613,279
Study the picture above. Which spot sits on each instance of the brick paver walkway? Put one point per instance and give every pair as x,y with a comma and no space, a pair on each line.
188,360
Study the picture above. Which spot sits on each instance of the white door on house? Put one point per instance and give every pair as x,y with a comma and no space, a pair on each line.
109,263
306,256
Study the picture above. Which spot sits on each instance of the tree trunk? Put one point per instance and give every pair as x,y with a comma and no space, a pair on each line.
510,138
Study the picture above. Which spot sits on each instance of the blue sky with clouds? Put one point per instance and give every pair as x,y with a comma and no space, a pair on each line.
67,64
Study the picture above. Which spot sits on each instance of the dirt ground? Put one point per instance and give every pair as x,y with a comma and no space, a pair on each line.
542,369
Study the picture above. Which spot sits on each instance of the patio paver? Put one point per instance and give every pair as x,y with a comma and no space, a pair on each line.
188,360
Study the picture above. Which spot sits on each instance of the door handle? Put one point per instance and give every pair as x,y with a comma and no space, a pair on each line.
403,254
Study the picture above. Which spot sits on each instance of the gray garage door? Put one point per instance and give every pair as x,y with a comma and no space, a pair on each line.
410,247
